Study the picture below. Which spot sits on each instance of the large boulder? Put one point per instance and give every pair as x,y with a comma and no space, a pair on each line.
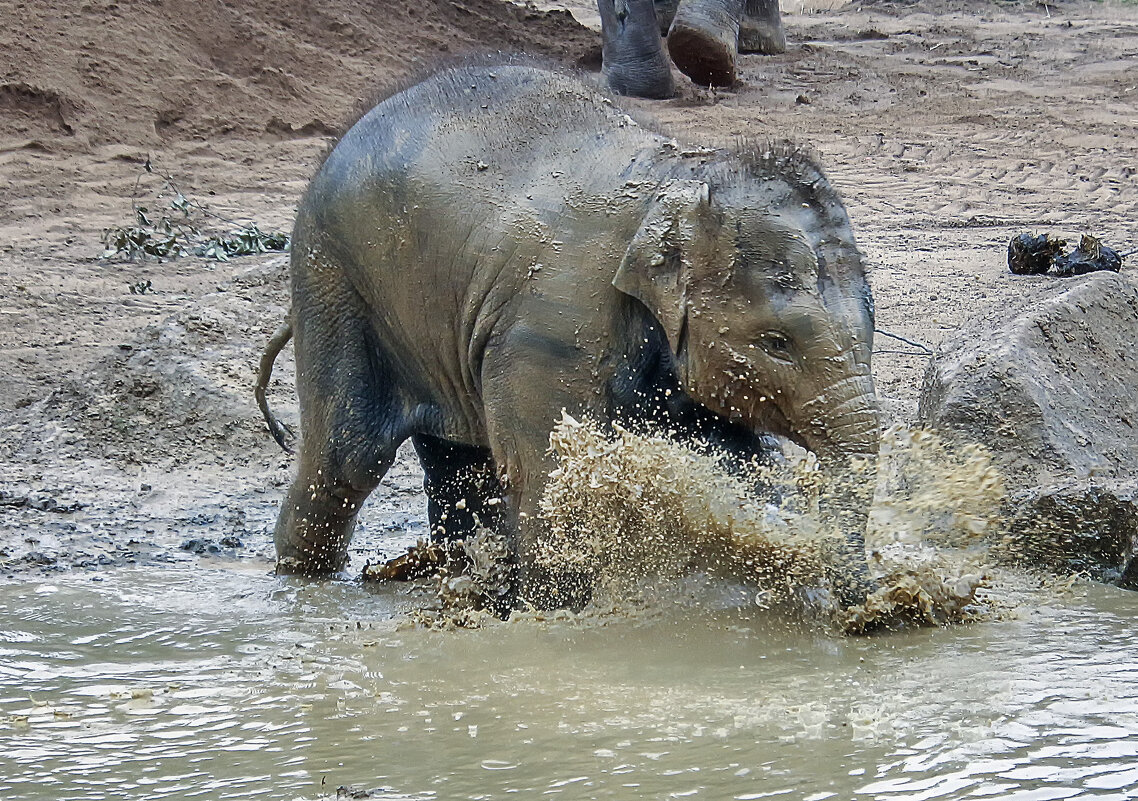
1053,394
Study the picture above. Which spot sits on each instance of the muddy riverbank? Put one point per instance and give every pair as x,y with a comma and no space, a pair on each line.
128,432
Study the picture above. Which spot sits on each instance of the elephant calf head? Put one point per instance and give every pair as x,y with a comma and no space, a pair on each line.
753,273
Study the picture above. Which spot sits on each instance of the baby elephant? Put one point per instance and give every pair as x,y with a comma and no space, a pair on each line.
499,244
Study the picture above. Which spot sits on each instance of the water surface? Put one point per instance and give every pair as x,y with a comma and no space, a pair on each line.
220,683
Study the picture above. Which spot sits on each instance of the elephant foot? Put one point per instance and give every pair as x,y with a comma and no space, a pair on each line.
760,28
704,59
308,553
649,78
315,526
303,562
704,39
761,37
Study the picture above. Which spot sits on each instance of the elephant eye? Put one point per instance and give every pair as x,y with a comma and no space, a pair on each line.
777,345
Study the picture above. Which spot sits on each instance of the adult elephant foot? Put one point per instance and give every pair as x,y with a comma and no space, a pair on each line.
634,61
760,28
704,39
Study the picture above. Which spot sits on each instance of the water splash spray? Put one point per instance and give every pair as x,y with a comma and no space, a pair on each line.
626,506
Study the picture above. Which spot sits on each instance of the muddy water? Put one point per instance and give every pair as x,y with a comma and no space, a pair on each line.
214,683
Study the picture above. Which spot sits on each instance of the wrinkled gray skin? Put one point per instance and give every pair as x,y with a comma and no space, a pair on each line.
500,243
760,28
633,59
703,37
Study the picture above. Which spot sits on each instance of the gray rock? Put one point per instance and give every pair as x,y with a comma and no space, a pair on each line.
1054,395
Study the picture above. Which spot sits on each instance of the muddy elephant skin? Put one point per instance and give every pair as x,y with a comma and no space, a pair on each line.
500,243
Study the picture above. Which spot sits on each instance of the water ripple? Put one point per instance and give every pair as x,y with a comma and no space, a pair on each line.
213,685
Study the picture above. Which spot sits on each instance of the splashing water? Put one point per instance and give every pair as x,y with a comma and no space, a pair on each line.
625,507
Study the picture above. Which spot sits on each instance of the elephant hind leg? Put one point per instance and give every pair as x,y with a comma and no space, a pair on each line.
353,419
760,28
461,485
318,517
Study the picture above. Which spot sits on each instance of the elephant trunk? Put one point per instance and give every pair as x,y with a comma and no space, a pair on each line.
843,422
634,61
848,429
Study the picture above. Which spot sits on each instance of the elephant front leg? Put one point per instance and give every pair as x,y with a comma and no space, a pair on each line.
540,585
633,58
462,490
526,388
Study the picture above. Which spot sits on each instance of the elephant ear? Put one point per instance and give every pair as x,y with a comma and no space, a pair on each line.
656,268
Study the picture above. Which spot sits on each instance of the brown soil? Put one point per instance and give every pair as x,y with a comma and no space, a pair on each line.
127,423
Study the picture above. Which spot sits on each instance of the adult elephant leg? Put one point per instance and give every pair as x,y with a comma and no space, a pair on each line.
760,28
460,484
633,58
665,13
704,39
351,425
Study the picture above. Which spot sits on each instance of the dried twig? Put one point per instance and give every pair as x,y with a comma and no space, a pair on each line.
176,230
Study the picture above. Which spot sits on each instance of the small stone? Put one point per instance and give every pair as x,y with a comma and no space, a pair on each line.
200,546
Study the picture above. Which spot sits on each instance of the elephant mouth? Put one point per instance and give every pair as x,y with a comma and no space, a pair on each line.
770,419
858,437
835,436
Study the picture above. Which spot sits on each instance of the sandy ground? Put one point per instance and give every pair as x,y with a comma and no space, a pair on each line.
128,432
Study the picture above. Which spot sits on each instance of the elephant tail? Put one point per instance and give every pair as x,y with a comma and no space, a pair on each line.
281,432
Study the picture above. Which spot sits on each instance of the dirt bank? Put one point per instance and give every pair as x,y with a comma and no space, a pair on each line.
127,424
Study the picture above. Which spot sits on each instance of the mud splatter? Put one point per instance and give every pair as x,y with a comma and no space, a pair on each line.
624,507
630,516
465,583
